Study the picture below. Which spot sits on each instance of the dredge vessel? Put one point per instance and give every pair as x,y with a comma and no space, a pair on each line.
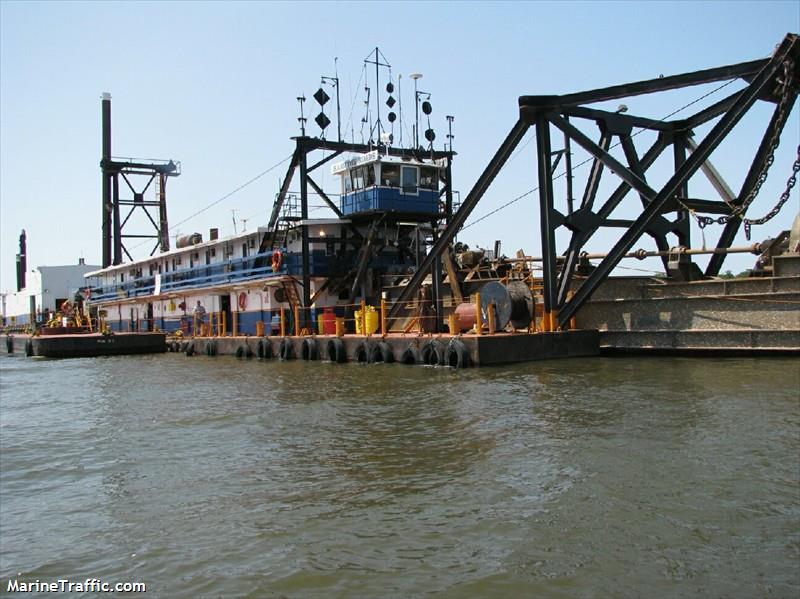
385,279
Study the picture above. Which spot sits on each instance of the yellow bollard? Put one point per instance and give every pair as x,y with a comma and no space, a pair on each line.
478,317
554,321
490,312
283,324
573,321
452,322
235,324
383,317
339,320
224,324
297,320
260,328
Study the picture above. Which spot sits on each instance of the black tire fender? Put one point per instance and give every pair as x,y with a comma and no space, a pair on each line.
457,354
308,350
190,348
362,353
432,353
336,351
9,344
286,351
29,348
410,356
381,352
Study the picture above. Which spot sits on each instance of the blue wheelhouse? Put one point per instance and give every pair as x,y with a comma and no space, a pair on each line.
374,183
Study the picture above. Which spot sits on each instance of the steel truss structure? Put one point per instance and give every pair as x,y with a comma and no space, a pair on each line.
131,170
304,149
664,211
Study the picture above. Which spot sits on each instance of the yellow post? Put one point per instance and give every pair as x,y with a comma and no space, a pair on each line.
363,317
297,320
491,315
546,322
383,317
235,324
260,328
554,321
452,321
224,324
194,326
573,322
478,321
339,326
283,324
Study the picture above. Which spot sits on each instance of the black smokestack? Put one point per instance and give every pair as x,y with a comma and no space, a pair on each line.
104,165
22,262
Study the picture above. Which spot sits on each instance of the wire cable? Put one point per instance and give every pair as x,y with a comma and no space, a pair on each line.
224,197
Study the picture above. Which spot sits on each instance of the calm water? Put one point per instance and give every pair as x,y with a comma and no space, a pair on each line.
580,478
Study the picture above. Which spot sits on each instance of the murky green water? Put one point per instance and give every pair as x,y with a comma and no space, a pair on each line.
580,478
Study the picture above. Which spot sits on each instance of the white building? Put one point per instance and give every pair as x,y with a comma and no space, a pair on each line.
46,288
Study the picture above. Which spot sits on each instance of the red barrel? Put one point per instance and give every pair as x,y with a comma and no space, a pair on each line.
328,322
466,316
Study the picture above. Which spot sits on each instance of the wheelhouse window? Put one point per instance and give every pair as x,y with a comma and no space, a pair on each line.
409,179
358,179
369,175
348,184
390,175
428,178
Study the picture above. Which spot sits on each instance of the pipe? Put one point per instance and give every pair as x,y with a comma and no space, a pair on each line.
754,249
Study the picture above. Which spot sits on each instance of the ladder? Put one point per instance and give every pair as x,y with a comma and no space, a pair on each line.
290,289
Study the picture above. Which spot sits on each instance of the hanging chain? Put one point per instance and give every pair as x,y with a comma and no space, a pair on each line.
790,183
775,140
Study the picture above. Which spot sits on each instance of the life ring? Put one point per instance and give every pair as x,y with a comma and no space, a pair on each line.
242,300
277,260
382,353
457,354
336,351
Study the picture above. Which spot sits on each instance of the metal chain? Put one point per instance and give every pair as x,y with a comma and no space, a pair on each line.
738,211
790,183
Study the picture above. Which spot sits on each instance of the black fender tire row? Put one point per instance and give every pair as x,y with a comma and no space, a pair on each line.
433,353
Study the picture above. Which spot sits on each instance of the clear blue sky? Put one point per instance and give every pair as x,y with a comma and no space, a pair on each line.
214,85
